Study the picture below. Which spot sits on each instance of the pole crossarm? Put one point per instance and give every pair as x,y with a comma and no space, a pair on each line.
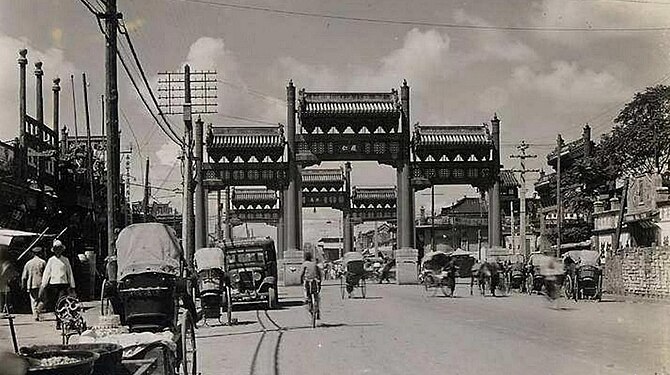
200,99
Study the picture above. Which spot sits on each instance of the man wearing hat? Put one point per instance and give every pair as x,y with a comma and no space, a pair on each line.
31,280
58,274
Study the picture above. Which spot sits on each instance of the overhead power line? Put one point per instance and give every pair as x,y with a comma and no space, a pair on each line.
168,132
146,82
424,23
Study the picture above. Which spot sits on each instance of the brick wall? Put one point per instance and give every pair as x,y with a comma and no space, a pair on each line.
640,272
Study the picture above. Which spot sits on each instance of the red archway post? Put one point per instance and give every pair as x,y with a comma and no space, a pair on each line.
292,257
406,255
494,191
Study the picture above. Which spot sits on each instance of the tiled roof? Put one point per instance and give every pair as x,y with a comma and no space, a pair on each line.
567,148
328,103
452,135
330,175
253,195
246,137
362,193
508,180
350,108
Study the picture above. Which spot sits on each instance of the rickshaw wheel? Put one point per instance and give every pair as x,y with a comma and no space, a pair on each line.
342,286
102,298
363,288
189,352
229,306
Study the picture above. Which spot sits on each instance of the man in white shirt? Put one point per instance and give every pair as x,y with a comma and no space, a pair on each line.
31,280
58,275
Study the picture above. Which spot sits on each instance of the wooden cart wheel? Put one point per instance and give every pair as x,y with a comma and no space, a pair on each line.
102,297
342,287
363,288
189,352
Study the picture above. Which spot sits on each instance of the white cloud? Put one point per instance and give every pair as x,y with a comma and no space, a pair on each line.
567,82
168,153
496,45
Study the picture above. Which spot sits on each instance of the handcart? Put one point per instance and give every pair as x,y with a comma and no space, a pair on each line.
157,309
353,274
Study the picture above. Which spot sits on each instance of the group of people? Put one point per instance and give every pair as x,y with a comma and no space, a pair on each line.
39,278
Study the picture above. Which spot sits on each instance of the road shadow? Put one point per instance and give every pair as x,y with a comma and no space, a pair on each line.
291,328
367,297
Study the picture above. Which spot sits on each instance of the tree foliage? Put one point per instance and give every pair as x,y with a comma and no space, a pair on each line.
641,136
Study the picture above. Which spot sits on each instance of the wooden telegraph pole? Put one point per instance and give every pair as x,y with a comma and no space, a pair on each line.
522,156
179,99
559,209
111,17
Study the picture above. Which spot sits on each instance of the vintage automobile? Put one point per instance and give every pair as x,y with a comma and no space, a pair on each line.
251,271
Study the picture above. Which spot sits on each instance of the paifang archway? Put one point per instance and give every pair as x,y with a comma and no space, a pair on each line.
355,126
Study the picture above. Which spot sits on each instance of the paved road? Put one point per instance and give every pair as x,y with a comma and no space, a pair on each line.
400,330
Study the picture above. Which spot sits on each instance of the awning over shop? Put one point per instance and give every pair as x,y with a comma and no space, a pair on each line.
647,223
7,235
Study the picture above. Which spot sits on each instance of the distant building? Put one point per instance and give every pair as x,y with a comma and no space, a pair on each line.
383,241
331,247
646,218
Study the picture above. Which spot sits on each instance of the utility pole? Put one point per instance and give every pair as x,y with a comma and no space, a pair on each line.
129,207
511,224
200,211
74,108
432,216
147,192
187,105
219,236
522,156
89,149
559,209
187,226
111,17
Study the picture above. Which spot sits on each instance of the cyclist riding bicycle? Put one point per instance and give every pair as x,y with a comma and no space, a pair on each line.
310,277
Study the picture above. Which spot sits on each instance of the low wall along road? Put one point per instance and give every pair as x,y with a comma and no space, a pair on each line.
639,272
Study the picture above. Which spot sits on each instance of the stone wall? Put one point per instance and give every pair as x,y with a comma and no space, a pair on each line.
639,272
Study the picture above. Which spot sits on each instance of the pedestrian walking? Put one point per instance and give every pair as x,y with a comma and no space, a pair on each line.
7,274
58,278
31,280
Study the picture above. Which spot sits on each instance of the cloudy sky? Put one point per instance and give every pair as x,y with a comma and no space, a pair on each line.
540,82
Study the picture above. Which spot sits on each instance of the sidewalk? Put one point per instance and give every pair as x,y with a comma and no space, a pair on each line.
30,332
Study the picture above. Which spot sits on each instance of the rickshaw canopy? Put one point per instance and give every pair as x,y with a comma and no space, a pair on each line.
435,260
209,258
148,247
352,256
583,257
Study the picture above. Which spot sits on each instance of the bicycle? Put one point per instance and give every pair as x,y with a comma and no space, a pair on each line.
312,287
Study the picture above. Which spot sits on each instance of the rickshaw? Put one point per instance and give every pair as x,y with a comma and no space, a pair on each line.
438,272
353,274
517,276
210,265
534,278
584,276
156,306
